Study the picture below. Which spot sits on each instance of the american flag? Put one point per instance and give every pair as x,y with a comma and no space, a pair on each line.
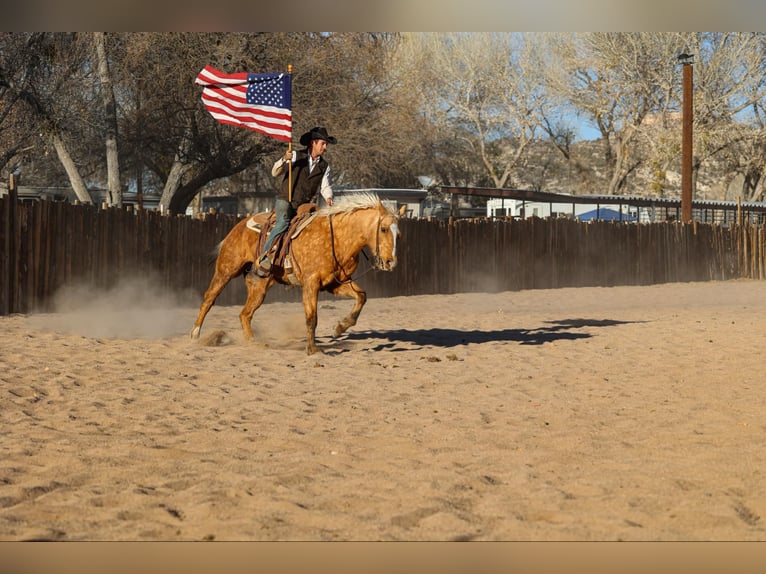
260,102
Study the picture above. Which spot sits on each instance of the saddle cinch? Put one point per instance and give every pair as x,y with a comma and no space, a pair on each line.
280,249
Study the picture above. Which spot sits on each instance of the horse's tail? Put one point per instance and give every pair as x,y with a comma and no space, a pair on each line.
213,255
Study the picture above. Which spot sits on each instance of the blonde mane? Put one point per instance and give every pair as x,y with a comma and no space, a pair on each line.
352,202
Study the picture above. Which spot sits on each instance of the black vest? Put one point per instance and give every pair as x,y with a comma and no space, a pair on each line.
305,184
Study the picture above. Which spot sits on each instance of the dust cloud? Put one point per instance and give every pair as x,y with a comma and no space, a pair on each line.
134,308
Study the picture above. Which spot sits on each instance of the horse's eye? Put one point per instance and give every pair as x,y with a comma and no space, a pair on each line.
384,229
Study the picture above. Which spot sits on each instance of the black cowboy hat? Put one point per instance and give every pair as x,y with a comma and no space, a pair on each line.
317,134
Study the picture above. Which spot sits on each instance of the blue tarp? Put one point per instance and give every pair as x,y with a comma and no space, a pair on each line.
605,214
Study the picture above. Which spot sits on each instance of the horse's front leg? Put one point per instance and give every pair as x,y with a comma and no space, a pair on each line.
350,289
256,293
310,298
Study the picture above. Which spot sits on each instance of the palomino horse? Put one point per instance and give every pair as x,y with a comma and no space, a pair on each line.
324,256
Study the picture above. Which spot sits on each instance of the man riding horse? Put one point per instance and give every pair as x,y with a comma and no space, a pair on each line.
310,173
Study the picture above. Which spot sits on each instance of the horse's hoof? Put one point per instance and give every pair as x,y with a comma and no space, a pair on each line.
194,333
340,328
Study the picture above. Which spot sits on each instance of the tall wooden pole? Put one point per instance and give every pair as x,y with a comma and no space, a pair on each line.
686,141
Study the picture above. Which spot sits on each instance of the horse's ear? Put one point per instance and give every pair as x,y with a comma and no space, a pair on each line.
402,210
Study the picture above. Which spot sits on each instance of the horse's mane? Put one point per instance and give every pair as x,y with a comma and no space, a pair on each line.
352,202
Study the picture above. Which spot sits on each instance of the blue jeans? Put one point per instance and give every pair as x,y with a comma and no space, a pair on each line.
285,213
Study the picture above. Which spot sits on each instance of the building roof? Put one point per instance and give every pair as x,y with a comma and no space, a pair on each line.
638,201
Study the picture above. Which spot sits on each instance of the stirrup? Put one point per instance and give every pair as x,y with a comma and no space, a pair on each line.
263,267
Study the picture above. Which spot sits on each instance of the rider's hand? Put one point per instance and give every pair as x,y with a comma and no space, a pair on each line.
288,157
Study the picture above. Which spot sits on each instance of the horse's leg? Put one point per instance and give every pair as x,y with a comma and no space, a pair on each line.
217,283
256,293
310,298
350,289
234,252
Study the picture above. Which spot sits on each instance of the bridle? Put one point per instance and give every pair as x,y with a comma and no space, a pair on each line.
377,260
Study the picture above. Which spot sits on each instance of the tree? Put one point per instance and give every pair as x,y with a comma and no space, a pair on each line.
165,127
44,85
339,80
114,190
616,80
383,140
59,91
471,109
17,133
729,86
480,93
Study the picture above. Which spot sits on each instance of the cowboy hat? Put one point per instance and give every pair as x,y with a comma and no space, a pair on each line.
317,134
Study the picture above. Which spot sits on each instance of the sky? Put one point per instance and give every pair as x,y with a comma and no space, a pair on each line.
586,132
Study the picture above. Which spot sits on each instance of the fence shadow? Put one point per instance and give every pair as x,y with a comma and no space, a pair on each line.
447,338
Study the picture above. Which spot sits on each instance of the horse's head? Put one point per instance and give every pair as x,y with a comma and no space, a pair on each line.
371,224
383,244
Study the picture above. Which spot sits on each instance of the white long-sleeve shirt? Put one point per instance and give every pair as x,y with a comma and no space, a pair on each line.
325,188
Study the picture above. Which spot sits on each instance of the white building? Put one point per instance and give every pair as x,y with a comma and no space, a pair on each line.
524,208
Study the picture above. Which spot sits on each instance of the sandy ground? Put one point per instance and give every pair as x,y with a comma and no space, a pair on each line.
629,413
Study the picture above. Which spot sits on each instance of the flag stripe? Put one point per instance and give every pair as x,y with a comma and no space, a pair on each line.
210,76
243,99
277,130
246,110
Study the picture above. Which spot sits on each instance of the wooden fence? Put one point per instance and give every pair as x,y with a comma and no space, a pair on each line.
46,245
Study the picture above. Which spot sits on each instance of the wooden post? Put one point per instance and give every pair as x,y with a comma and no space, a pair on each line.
739,211
686,142
8,270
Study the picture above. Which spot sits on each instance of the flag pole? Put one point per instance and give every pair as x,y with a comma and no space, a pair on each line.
290,145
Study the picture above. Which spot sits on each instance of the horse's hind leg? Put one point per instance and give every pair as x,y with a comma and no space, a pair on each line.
350,289
256,293
217,283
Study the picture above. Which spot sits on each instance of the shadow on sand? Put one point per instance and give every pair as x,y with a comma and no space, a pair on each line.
556,331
